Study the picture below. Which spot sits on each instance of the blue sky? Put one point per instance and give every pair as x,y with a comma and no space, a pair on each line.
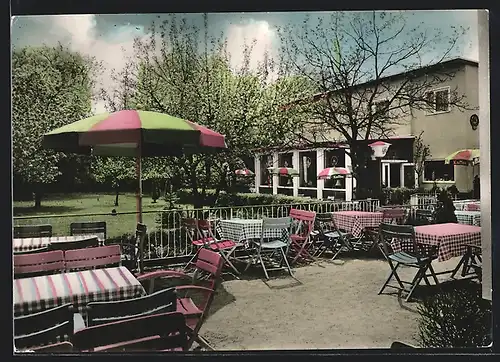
104,36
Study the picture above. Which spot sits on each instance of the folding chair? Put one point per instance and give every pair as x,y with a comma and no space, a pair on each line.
389,216
471,260
97,228
272,247
301,241
415,257
33,231
329,236
201,236
208,271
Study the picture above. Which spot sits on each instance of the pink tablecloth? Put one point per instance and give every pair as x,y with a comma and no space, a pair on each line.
451,239
355,221
79,288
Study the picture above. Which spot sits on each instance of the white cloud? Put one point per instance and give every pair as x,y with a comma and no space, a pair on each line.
239,35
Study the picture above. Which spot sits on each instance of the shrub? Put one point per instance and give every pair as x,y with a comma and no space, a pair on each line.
398,195
445,210
456,316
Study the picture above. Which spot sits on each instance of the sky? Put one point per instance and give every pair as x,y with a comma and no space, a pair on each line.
110,38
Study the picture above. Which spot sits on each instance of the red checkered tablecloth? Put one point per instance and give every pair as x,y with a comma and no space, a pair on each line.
356,221
451,239
27,244
79,288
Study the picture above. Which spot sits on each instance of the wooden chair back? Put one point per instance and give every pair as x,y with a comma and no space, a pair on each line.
38,263
42,328
405,234
62,347
210,263
162,301
323,223
393,215
198,231
33,231
165,331
97,228
91,258
305,220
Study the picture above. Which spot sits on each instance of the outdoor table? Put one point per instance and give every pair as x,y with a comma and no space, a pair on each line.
79,288
469,217
463,205
355,222
29,244
242,230
451,239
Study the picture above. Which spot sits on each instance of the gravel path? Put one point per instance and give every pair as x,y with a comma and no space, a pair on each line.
335,306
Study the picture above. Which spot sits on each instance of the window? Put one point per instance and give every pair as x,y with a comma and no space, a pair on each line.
307,168
265,176
285,160
438,171
438,100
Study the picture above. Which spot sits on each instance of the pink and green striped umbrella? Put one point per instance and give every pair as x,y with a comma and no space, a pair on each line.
283,171
244,172
333,172
133,133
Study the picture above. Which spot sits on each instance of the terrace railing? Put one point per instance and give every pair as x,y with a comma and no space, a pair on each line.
166,238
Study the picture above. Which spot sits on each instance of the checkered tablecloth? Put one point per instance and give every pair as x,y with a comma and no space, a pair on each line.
469,217
26,244
467,205
451,239
241,230
79,288
356,221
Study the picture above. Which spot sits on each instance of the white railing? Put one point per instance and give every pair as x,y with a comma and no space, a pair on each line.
167,239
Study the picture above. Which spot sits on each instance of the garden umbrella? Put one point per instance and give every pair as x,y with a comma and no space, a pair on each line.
283,171
333,172
464,157
136,134
244,172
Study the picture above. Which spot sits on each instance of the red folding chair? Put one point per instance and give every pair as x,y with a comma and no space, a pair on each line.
202,236
301,240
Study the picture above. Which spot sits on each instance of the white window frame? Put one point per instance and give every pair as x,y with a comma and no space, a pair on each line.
434,91
437,181
403,174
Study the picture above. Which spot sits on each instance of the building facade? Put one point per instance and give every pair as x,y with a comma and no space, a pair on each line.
444,127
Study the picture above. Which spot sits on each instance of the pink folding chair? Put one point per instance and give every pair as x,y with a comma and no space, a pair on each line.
301,240
38,263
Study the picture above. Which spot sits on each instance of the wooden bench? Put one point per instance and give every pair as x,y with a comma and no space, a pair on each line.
158,332
32,231
27,265
105,312
92,228
90,258
43,328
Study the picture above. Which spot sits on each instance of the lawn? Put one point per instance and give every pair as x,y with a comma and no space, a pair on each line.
61,210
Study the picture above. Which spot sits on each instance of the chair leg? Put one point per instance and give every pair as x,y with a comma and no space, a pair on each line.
433,273
462,263
228,262
263,266
415,282
204,343
286,262
393,273
191,260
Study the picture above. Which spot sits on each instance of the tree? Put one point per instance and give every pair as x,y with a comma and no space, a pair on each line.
348,58
186,78
51,86
421,152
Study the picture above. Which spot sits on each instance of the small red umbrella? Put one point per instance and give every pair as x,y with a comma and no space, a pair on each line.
244,172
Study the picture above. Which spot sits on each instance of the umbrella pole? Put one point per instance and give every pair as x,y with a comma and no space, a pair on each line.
138,169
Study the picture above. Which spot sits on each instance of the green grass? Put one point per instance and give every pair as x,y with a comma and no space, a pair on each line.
92,204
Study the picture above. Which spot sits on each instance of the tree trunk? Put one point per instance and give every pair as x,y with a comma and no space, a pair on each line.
117,193
38,199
